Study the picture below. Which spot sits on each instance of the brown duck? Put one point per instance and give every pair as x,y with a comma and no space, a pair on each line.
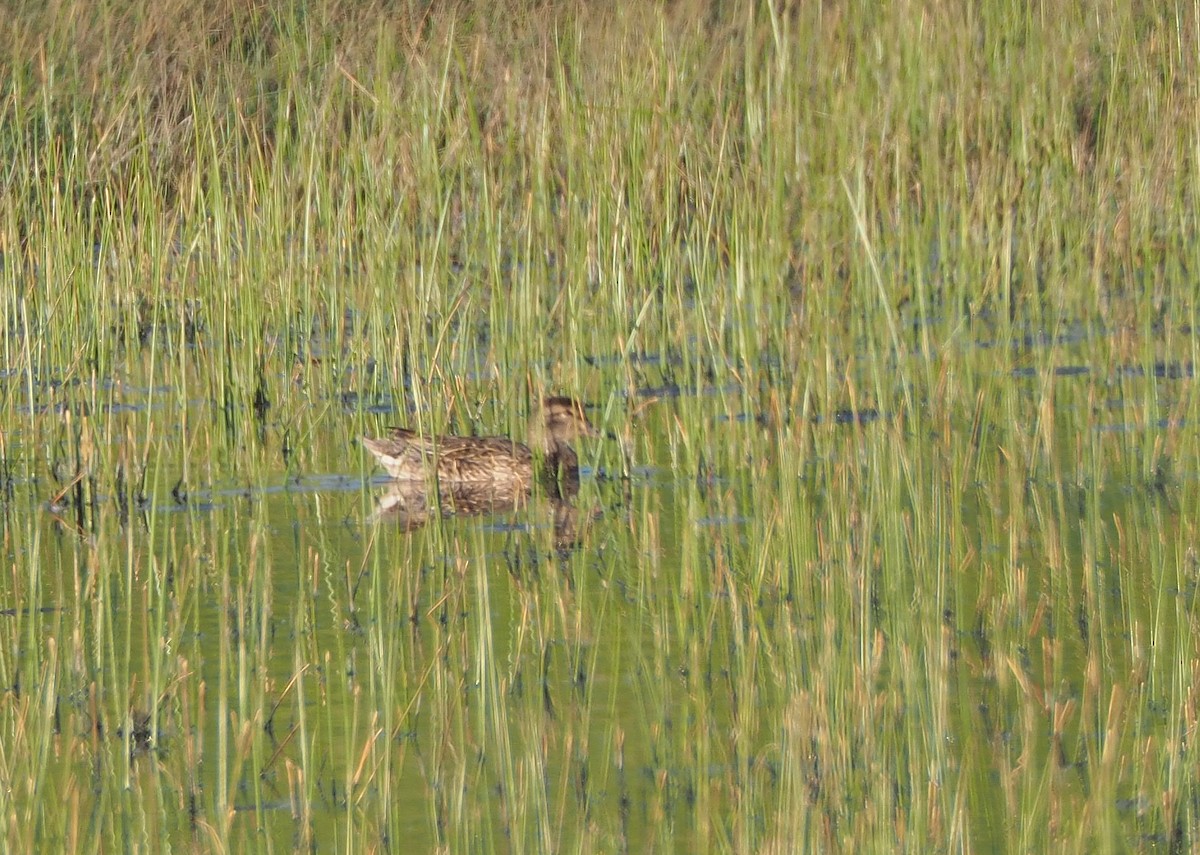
492,460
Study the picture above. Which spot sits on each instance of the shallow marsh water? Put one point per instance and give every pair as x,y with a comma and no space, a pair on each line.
764,620
896,550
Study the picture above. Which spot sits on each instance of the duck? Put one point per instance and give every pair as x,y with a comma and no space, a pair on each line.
498,461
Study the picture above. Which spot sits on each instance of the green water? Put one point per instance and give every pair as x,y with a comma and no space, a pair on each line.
891,311
732,654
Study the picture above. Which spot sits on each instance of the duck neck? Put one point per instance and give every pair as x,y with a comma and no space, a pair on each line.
560,471
561,457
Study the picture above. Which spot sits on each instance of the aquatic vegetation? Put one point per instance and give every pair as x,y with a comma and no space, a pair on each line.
890,309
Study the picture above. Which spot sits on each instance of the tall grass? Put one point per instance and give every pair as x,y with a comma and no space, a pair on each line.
889,309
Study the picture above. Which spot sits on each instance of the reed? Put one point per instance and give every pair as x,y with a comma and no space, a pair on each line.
887,307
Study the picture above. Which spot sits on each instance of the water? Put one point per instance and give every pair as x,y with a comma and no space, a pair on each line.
740,617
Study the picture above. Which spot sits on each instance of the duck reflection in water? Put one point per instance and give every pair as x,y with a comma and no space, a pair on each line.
485,474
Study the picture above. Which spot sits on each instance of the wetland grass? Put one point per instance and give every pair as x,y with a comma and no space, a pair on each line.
891,310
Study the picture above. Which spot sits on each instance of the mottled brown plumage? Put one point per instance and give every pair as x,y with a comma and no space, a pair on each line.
496,460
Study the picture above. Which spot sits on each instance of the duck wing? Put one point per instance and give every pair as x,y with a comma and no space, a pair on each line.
482,458
407,454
